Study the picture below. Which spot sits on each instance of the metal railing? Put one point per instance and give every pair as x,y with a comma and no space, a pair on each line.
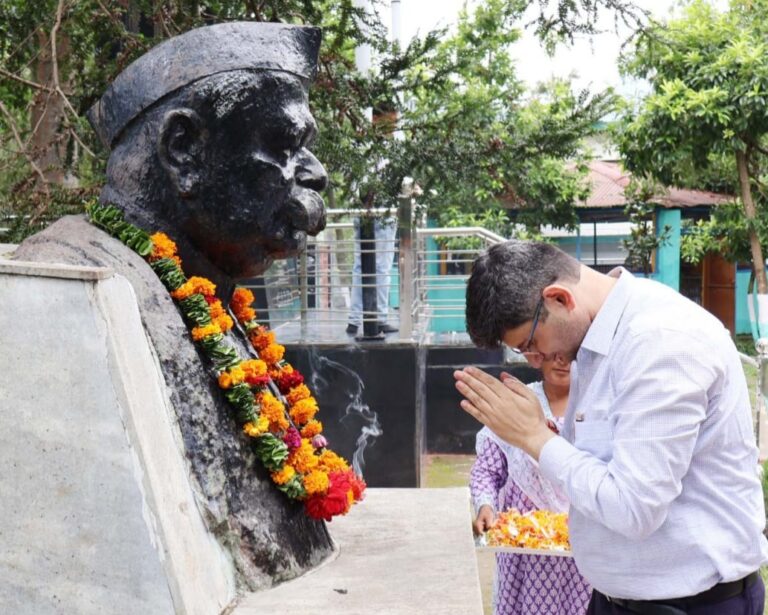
309,298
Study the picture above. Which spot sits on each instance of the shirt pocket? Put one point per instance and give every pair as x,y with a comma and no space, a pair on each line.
595,436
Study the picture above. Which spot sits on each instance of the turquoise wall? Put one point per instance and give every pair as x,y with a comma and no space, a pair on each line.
668,255
742,315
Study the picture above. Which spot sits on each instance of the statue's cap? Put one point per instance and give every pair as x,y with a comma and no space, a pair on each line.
197,54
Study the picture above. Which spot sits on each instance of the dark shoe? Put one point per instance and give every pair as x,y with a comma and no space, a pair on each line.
351,329
385,327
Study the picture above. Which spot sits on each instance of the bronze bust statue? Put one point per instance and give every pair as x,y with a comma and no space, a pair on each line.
209,135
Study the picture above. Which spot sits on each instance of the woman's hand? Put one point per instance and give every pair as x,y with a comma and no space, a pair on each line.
484,520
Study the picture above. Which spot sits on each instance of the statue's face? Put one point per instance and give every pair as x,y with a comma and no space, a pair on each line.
258,196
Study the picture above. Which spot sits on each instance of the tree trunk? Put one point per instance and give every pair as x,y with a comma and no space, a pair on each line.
758,262
47,143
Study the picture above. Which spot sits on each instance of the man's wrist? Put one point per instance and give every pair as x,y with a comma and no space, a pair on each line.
537,441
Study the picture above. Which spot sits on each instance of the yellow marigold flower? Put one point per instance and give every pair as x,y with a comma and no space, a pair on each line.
230,378
284,475
304,410
224,321
311,429
261,338
272,353
256,429
202,285
303,458
254,368
162,247
281,424
199,333
316,482
298,393
330,461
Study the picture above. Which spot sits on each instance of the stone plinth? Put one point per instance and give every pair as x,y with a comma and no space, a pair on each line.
97,514
401,551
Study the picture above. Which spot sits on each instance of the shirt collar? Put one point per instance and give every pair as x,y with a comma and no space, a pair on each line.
600,333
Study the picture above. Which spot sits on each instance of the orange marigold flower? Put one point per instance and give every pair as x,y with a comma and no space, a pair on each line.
242,297
256,429
162,247
199,333
254,368
311,429
298,393
303,458
183,291
331,462
272,353
316,482
244,314
224,321
271,407
203,286
216,310
232,377
284,475
304,410
261,338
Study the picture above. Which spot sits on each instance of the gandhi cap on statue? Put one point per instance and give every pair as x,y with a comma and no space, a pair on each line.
177,62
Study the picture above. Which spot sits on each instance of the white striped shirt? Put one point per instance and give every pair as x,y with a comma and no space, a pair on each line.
658,457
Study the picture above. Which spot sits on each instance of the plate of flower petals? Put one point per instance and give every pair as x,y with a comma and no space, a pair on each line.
538,532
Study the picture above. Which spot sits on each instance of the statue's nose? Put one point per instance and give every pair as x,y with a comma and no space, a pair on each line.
311,173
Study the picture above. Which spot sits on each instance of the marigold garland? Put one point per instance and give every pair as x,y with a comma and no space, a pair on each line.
268,396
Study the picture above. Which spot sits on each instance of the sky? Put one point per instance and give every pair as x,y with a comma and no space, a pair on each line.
591,62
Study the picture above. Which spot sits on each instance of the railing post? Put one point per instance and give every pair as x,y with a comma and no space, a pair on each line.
406,261
762,383
303,291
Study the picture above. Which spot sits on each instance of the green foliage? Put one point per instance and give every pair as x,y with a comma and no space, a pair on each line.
110,219
223,356
640,210
272,451
709,100
471,136
241,398
195,310
294,488
169,272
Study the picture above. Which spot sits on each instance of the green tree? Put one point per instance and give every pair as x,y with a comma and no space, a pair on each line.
643,239
471,135
709,76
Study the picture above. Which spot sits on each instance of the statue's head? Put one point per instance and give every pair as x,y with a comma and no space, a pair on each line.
209,134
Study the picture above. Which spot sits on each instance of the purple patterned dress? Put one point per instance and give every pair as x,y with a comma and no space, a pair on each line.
505,477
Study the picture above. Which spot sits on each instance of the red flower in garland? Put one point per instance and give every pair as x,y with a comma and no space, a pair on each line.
292,438
286,381
336,501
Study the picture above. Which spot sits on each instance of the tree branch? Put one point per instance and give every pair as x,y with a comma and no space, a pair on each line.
31,84
23,150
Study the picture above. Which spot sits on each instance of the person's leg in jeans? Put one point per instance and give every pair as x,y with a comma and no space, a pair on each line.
384,231
355,318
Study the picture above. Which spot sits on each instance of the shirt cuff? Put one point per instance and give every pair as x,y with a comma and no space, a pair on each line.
554,458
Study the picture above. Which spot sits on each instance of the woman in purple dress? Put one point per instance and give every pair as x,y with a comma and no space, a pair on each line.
505,477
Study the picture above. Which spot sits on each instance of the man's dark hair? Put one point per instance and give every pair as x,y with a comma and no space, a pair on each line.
506,284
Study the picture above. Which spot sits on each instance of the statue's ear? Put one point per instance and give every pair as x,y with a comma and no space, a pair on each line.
180,148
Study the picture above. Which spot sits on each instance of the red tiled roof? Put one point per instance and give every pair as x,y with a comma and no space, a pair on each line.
608,181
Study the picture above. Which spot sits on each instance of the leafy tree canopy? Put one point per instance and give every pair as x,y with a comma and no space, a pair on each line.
468,132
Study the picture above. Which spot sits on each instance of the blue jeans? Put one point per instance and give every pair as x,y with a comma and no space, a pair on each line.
384,231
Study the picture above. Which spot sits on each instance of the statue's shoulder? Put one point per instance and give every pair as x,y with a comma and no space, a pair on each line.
73,240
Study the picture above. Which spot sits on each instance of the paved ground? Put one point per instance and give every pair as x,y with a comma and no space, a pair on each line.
453,470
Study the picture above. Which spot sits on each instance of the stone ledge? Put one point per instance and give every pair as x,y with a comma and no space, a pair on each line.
53,270
404,551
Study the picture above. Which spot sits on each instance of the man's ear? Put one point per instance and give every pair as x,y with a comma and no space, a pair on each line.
180,148
559,294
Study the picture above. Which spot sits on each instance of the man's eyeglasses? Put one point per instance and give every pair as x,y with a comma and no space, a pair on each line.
535,359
